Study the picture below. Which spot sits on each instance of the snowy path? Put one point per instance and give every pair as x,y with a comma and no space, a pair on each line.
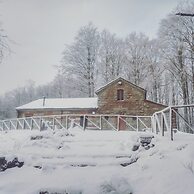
89,148
90,163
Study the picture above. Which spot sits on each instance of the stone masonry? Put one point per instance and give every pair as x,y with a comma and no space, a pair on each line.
134,102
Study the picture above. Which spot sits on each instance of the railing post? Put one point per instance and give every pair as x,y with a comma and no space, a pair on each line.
23,126
66,122
118,122
10,125
1,127
137,124
153,124
53,123
171,129
40,123
31,124
158,124
17,124
84,122
100,122
162,124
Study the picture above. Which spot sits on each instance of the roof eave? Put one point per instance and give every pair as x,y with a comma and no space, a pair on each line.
67,109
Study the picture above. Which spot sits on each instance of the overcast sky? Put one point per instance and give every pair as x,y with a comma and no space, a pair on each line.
41,28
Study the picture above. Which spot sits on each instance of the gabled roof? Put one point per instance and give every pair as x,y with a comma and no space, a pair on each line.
61,103
117,80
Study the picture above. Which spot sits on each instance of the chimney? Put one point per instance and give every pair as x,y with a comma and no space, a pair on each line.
44,98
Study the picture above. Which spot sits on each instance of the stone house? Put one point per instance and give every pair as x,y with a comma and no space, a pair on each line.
123,97
117,97
58,106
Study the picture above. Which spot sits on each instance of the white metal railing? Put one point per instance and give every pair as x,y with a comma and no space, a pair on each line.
172,118
179,117
85,121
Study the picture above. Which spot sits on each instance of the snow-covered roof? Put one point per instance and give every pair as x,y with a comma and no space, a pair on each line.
61,103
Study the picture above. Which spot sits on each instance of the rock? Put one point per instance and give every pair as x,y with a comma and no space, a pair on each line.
4,164
39,167
59,147
145,139
135,147
133,160
56,192
37,137
149,146
82,165
14,163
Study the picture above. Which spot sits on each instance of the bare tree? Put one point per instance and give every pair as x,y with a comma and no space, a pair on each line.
154,80
175,53
176,33
4,45
136,47
111,56
80,59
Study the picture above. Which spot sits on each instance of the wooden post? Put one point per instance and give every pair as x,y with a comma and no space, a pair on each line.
9,125
153,124
157,124
162,124
23,126
118,123
171,129
17,124
53,123
100,122
137,124
84,123
31,124
66,122
1,126
41,124
156,130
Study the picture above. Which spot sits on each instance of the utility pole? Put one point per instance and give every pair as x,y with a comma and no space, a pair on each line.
185,14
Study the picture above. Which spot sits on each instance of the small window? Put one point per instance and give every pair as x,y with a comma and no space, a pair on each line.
120,94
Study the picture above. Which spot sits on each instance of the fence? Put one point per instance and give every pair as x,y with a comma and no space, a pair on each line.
166,121
174,118
95,122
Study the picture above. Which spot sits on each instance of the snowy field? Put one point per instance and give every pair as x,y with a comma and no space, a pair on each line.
96,162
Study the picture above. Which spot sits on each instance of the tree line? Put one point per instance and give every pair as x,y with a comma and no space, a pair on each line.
164,66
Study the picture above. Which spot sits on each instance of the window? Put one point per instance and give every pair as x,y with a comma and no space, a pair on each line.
120,95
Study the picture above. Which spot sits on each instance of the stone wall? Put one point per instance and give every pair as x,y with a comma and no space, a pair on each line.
134,102
151,107
30,113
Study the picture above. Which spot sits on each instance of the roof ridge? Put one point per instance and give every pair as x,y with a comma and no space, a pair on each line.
109,83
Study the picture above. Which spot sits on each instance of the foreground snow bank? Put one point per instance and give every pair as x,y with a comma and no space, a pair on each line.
90,162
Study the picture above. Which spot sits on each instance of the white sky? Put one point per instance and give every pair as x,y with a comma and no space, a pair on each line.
41,28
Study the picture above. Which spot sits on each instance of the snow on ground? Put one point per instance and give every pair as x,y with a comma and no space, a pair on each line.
96,162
